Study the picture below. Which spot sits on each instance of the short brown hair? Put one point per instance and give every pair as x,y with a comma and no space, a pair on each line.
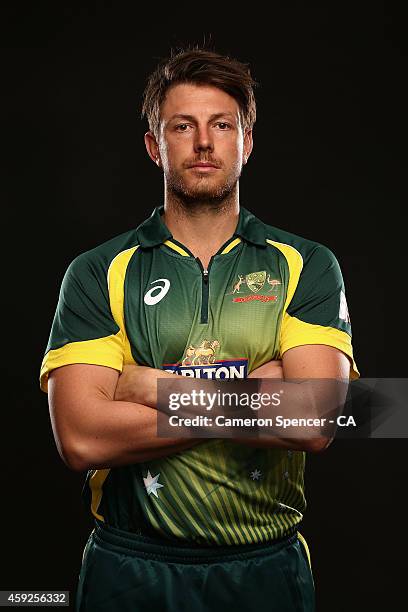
202,67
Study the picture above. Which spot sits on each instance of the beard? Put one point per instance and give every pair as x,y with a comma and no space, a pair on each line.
202,192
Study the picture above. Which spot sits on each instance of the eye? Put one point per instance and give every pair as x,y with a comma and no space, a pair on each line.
223,125
181,127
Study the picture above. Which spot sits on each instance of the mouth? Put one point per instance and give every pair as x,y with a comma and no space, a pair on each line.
204,166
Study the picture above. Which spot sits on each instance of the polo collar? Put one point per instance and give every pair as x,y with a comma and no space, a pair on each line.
153,231
250,228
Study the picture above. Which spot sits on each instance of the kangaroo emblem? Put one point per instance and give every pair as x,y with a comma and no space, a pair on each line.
238,284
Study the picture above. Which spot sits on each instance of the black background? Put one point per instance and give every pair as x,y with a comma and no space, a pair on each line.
326,165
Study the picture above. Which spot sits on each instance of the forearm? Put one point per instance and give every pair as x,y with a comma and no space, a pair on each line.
126,434
99,432
138,384
306,399
314,402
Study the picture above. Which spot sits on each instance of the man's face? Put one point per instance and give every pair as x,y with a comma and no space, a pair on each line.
201,124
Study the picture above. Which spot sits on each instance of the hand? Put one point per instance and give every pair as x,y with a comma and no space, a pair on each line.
271,369
138,384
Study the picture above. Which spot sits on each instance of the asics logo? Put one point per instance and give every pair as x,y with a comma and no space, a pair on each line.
157,293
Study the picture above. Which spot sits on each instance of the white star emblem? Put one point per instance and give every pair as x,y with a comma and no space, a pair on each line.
256,474
151,484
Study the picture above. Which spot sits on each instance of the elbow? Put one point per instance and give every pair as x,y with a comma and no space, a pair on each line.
75,456
76,463
318,445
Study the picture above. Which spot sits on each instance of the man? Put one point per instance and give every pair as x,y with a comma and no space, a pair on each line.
202,288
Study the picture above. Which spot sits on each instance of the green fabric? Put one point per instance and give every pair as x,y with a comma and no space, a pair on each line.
122,573
83,310
316,299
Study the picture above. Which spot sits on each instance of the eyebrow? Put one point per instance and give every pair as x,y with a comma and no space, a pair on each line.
192,118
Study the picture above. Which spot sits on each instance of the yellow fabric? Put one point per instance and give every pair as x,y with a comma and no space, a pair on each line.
116,286
177,248
303,541
295,332
230,246
112,351
106,351
96,482
295,264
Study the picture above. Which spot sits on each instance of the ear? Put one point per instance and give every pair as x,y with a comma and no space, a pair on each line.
152,148
248,146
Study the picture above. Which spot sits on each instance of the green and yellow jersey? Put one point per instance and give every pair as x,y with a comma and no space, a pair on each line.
143,298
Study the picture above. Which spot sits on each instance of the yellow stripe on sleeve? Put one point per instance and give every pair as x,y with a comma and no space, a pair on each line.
106,351
295,332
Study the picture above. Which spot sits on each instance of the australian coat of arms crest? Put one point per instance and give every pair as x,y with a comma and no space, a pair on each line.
255,281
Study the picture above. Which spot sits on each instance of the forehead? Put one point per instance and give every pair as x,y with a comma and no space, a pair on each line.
197,100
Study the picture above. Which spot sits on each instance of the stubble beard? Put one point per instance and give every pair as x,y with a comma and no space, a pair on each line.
202,195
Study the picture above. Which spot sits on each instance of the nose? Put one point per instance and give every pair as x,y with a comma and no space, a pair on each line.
203,139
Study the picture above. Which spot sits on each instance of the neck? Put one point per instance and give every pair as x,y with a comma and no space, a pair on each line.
202,227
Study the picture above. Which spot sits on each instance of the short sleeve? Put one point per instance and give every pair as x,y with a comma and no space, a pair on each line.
83,330
317,312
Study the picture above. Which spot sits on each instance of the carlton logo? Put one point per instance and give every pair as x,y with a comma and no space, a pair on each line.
200,362
237,368
250,286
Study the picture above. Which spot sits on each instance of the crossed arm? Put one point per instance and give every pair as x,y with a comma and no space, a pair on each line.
101,419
